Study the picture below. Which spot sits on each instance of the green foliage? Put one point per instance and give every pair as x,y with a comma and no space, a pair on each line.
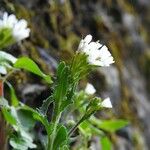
110,125
29,65
6,38
85,129
23,118
106,143
62,83
44,121
113,125
63,90
79,66
27,121
44,108
21,143
65,147
3,102
61,139
39,117
22,123
14,99
8,117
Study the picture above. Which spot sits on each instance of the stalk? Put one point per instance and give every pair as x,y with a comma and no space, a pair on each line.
3,127
53,135
75,127
1,88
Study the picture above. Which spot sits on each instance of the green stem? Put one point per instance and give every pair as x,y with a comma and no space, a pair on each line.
75,127
9,74
53,135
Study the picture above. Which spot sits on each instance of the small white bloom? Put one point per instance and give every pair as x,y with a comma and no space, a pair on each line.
19,27
90,89
106,103
98,54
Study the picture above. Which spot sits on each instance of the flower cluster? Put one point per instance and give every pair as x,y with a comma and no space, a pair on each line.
98,54
18,27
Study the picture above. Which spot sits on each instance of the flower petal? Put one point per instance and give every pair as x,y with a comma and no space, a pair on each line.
90,89
106,103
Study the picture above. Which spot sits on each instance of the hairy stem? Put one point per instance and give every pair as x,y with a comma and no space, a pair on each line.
53,135
1,88
75,127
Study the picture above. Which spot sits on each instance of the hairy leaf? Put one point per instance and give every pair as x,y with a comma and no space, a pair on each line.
43,109
19,143
61,138
39,117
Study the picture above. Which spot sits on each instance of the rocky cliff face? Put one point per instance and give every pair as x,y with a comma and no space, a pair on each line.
123,26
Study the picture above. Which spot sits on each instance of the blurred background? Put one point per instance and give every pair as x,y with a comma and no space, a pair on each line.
123,25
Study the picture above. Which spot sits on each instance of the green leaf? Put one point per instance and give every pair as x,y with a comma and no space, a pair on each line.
61,66
106,143
43,109
29,65
62,83
26,119
85,129
113,125
22,124
39,117
61,89
3,102
14,99
61,138
8,117
65,147
70,97
109,125
44,121
20,143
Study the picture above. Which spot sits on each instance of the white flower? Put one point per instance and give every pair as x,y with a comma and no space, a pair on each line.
90,89
106,103
98,54
19,27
